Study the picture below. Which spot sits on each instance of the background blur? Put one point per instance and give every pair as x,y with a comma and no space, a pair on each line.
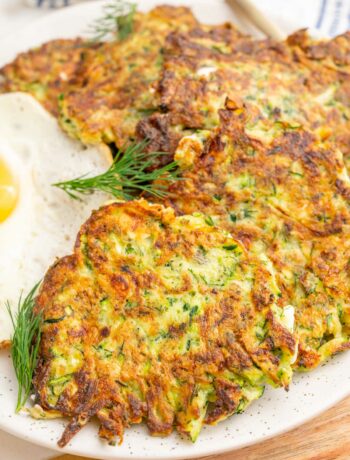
325,17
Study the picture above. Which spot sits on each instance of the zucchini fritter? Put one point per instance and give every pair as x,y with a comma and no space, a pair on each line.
280,192
299,81
161,318
118,89
47,71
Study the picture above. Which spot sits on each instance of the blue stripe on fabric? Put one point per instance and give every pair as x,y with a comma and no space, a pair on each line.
337,16
321,14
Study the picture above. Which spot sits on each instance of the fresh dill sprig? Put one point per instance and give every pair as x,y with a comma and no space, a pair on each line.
117,18
128,175
25,343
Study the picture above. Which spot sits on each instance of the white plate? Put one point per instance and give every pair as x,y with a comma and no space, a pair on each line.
276,412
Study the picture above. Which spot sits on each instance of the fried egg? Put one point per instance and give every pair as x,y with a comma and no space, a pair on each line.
37,221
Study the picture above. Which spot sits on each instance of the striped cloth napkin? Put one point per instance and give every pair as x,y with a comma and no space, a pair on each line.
324,18
51,3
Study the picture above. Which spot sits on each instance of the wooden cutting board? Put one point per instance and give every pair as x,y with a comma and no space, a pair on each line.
325,438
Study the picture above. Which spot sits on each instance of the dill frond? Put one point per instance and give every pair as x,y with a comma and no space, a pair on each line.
128,175
25,343
117,19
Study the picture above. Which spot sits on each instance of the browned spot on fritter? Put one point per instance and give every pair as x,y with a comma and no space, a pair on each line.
228,399
5,344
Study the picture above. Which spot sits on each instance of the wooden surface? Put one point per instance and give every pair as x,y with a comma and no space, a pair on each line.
325,438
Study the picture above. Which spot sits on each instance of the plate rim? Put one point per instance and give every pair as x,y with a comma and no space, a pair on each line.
217,451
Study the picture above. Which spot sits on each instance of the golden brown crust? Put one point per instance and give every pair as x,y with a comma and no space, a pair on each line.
280,191
5,344
300,81
119,85
154,317
48,71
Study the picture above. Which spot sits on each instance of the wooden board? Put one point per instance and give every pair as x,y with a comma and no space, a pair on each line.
325,438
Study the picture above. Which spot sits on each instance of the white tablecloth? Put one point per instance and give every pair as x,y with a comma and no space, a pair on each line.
328,16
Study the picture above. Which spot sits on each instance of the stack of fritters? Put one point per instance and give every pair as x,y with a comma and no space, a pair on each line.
297,81
172,74
282,193
103,89
161,318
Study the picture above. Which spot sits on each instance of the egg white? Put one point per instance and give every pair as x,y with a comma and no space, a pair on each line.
45,222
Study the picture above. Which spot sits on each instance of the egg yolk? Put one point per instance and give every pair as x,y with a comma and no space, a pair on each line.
8,191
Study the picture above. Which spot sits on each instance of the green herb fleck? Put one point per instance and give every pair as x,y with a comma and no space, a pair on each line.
230,247
147,112
209,220
247,213
329,319
129,249
54,320
193,312
129,304
294,173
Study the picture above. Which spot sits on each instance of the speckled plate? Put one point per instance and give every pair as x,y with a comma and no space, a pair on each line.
276,412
